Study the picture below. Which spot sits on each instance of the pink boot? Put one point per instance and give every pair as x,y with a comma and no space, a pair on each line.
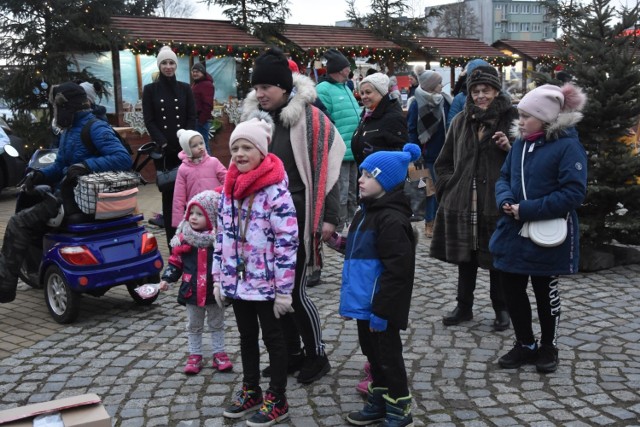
363,386
221,362
194,364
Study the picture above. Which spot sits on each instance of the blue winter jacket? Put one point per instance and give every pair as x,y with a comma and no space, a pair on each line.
379,265
555,175
112,156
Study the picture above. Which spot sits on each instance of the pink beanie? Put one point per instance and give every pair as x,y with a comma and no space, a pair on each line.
257,131
548,101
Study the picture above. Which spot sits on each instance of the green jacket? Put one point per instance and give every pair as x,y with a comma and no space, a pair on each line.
343,109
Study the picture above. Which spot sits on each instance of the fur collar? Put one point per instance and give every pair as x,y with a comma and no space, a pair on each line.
303,93
553,130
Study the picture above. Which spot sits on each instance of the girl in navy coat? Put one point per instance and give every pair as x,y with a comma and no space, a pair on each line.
555,179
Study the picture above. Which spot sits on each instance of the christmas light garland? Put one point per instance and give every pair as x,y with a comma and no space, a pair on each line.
148,47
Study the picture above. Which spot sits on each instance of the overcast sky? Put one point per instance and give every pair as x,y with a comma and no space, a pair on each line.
320,12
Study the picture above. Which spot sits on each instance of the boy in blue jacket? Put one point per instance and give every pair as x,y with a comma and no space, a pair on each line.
377,281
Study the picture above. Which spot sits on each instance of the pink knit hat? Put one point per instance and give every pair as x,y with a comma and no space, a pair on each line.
548,101
257,131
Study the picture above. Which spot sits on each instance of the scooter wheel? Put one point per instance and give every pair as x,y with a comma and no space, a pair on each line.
131,287
63,303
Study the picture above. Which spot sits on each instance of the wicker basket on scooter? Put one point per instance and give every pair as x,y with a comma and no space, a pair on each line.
107,194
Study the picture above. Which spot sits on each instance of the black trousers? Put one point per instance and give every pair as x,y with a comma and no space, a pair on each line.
545,289
467,275
384,353
167,209
250,317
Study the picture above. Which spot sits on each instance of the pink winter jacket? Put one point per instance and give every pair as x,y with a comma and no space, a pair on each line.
269,249
192,179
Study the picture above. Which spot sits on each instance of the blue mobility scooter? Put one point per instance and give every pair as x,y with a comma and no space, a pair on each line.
91,257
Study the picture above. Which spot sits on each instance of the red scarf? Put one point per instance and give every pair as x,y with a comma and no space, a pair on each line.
240,185
534,136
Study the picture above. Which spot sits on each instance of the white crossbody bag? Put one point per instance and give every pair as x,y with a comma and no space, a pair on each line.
547,232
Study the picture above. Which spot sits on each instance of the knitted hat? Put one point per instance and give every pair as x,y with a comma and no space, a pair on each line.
257,131
184,136
67,98
379,81
90,90
166,53
418,69
336,61
207,201
198,66
475,63
548,101
429,80
389,168
484,75
272,68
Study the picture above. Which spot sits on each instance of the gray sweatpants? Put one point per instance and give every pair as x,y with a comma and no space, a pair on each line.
195,327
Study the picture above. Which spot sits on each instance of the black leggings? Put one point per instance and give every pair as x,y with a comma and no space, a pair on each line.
547,296
467,275
251,316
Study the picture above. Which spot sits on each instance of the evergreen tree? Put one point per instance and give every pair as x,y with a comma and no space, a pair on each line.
259,17
38,40
390,20
601,53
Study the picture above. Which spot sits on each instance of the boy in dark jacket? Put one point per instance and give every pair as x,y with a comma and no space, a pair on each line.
377,281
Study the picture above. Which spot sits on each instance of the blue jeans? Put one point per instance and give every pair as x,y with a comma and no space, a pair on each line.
204,131
432,203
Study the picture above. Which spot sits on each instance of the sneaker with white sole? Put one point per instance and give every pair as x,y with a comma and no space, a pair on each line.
247,399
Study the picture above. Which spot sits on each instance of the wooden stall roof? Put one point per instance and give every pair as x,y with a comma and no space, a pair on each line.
457,48
186,31
526,48
318,36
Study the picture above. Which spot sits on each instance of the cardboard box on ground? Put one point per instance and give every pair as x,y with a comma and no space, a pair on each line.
79,411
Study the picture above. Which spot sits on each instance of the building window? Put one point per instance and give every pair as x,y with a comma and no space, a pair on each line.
524,27
525,8
499,6
535,9
536,28
503,28
498,25
513,27
514,8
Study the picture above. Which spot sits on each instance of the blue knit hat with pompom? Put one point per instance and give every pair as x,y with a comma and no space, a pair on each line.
389,168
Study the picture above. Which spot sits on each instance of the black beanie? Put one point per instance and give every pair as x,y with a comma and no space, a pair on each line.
484,75
67,98
335,61
272,68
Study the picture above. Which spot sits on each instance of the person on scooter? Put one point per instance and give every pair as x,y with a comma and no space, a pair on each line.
71,111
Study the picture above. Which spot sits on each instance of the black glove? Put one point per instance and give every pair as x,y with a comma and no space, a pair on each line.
76,170
32,179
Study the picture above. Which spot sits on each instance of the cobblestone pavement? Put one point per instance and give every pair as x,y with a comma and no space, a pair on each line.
132,357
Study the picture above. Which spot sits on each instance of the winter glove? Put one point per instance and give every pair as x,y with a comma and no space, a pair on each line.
377,324
282,305
218,295
76,170
32,179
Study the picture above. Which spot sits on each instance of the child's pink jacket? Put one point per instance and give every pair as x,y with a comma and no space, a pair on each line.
192,179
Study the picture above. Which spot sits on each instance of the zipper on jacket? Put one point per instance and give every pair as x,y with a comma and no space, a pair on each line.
369,131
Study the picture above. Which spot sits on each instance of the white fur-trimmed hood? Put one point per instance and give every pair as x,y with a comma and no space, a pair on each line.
553,130
303,93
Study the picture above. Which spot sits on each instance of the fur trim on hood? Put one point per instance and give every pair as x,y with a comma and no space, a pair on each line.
553,130
303,93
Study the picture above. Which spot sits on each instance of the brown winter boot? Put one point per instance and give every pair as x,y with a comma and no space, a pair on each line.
428,229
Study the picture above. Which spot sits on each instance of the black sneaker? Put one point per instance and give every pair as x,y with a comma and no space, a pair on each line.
457,316
293,365
518,356
314,368
314,279
247,399
273,410
547,359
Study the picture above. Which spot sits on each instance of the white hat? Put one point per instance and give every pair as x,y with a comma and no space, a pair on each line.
379,81
166,53
184,136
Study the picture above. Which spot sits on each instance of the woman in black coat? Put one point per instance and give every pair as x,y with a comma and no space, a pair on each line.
168,105
383,126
